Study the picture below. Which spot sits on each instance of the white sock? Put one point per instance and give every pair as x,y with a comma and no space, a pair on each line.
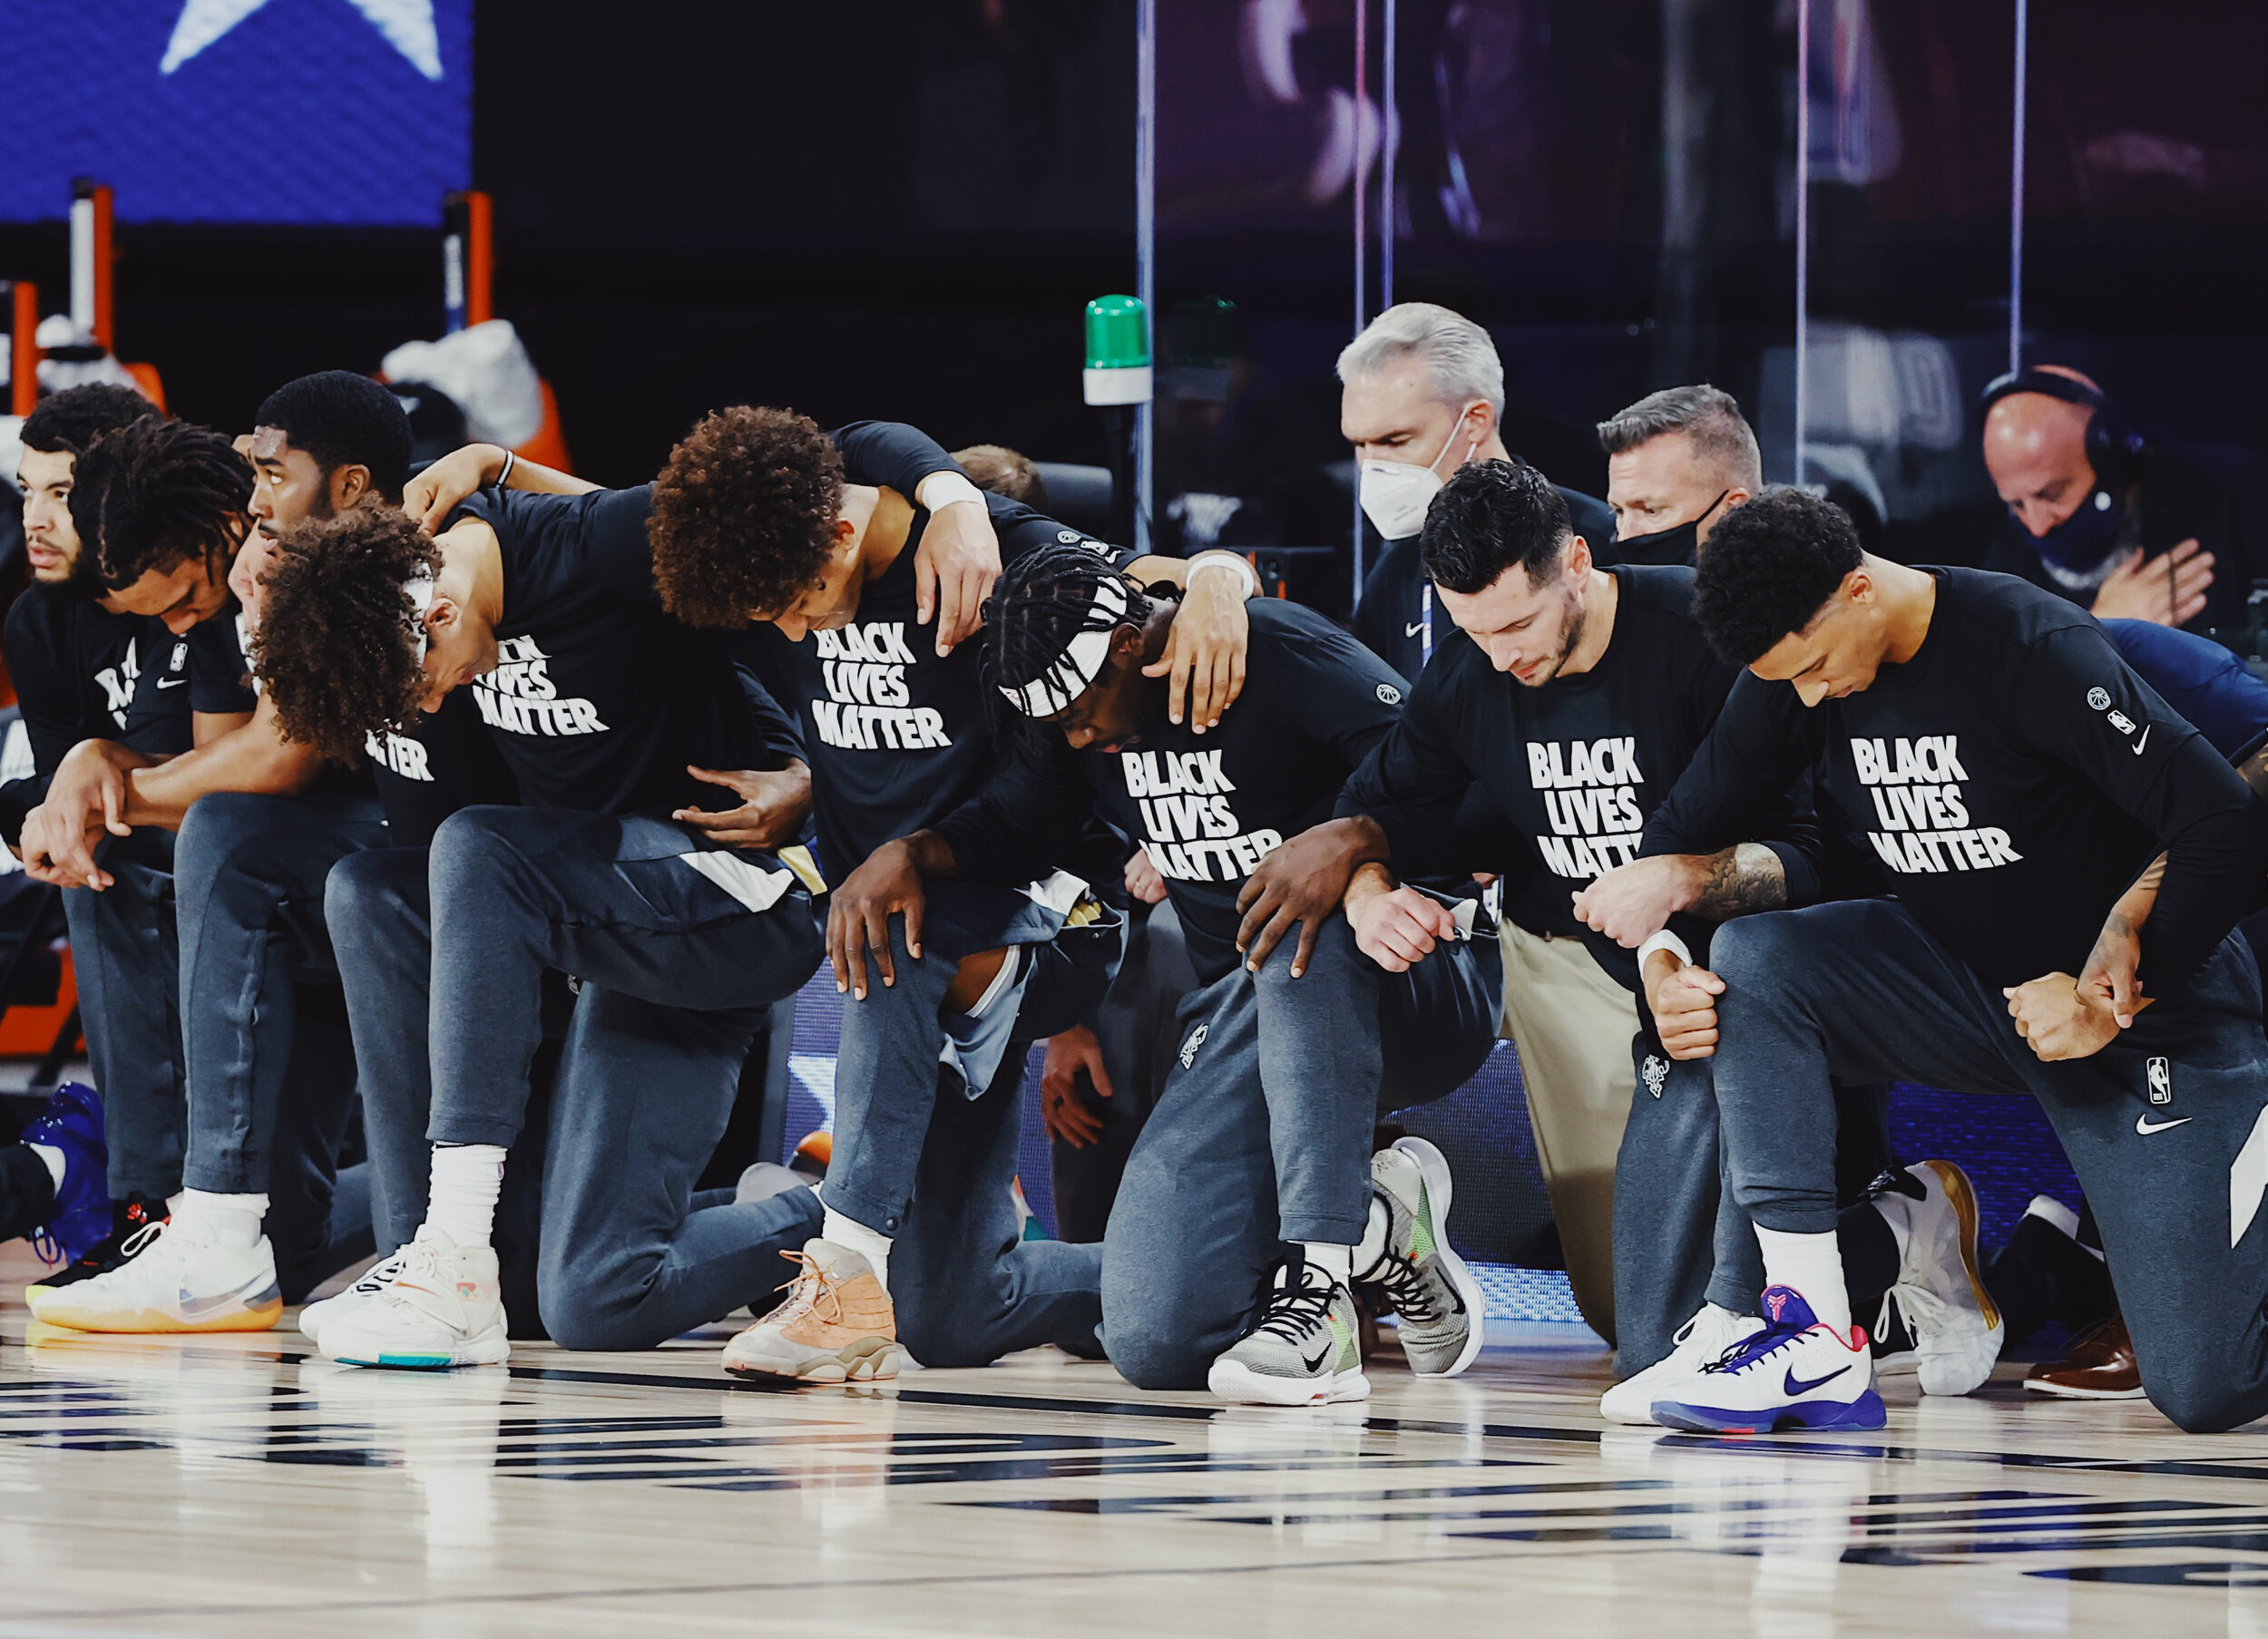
53,1157
1371,1250
1812,1266
466,1180
231,1221
1333,1257
870,1244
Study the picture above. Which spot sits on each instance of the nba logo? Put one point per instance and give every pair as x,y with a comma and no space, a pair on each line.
2161,1082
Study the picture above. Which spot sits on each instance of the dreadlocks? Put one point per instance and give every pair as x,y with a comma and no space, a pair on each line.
156,492
1039,605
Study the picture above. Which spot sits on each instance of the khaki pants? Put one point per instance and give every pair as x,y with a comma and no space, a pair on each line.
1572,1026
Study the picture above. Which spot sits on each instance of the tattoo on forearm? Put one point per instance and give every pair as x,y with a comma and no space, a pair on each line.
1739,880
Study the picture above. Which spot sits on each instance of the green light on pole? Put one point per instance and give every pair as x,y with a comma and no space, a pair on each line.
1118,351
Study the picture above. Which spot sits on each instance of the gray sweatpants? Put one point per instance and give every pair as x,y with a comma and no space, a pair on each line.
2167,1127
442,955
918,1158
1263,1135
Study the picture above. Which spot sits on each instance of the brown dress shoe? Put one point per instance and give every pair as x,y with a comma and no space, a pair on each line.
2099,1365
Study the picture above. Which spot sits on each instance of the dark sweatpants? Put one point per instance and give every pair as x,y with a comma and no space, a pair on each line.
443,956
1263,1135
918,1159
2167,1127
126,948
260,1013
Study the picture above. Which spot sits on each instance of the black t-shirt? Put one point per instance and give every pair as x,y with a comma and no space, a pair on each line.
447,762
214,656
600,699
898,737
2013,777
76,669
1405,625
1207,807
1575,767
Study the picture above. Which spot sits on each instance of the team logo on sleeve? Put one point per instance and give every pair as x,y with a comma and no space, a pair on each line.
1389,694
2098,698
1657,1073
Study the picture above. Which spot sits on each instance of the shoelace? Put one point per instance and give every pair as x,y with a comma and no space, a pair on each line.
1756,1346
1294,1310
1405,1289
812,1287
1924,1310
380,1276
131,1247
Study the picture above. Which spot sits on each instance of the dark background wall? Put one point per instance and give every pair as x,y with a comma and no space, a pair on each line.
898,206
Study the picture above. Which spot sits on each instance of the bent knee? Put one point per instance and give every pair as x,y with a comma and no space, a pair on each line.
576,1321
2200,1402
1149,1358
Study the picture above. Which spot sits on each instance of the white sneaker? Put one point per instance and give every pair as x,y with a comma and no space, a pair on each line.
375,1280
181,1282
1956,1327
1795,1372
1700,1341
443,1309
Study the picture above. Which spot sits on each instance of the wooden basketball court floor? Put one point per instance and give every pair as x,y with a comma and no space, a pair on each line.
234,1486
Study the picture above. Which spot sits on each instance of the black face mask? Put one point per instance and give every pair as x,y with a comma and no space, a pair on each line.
1681,545
2077,548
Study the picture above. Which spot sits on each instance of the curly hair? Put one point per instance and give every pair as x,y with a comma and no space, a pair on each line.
66,423
337,648
1769,568
155,494
743,516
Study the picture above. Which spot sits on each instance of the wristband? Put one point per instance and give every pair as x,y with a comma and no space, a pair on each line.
941,490
1250,575
1664,941
503,475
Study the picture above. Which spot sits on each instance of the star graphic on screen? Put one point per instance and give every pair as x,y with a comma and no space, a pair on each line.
407,25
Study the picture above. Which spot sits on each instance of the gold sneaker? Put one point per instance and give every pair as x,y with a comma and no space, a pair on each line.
835,1324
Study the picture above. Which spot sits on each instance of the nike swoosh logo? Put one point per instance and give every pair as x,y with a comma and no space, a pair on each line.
1412,628
1795,1385
2144,740
1317,1365
2145,1127
171,683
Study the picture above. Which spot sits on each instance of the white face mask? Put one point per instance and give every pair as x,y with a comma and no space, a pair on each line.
1395,494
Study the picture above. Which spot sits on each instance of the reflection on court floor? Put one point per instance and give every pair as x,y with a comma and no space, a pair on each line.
243,1489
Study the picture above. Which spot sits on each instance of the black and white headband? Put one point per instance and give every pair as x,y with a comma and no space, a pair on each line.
418,590
1063,679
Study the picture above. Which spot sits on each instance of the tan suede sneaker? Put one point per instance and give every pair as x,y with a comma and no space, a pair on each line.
836,1325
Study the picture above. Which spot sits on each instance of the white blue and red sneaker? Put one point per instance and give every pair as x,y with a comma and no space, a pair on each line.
1798,1373
72,1122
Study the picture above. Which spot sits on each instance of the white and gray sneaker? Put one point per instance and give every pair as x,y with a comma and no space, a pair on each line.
373,1281
443,1309
1302,1349
1700,1341
1440,1312
1955,1327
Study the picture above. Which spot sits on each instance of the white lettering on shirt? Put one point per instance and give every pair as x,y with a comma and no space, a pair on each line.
1192,835
1915,784
1591,801
520,698
868,706
403,757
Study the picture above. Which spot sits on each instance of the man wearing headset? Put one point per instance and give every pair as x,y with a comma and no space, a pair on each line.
2133,525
